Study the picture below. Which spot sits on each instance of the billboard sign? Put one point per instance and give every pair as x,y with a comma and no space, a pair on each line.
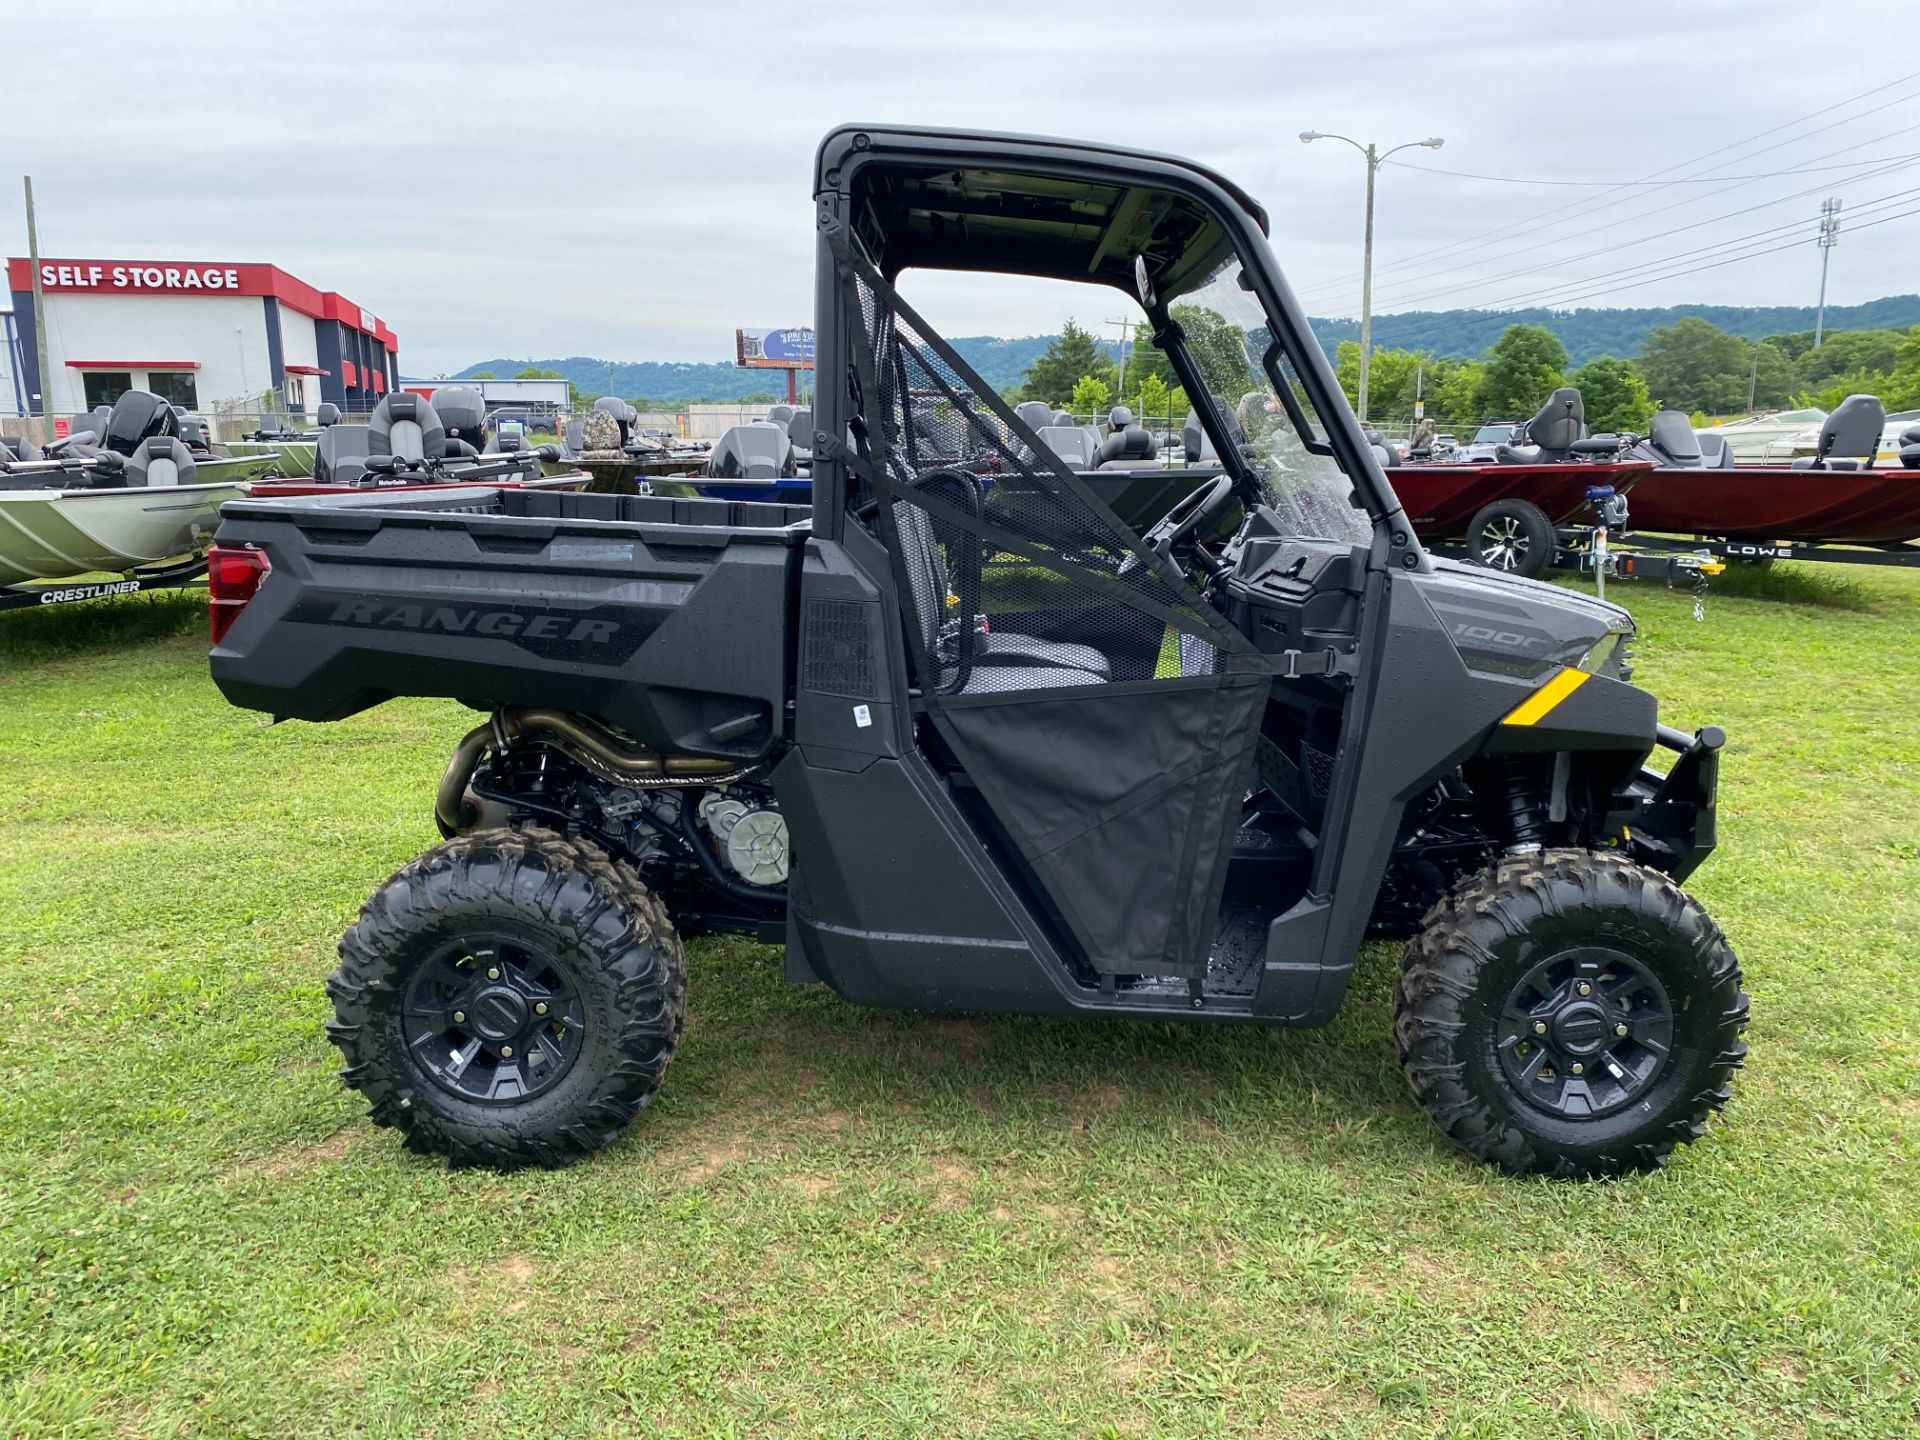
774,349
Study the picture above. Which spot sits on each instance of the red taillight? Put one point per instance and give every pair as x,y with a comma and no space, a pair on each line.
234,574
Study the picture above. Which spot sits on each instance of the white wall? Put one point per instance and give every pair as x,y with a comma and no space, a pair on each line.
300,346
226,334
8,405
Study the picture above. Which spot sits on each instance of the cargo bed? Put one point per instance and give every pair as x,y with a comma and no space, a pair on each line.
496,597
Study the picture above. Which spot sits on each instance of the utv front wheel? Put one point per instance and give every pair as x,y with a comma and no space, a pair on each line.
509,998
1572,1013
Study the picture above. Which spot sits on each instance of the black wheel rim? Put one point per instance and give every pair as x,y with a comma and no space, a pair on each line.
1585,1032
493,1020
1504,543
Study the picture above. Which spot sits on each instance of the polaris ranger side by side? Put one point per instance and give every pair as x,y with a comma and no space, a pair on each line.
961,740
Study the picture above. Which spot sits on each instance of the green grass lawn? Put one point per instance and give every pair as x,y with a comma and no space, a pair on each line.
842,1222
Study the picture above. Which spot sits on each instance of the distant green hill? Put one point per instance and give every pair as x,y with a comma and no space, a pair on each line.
1002,363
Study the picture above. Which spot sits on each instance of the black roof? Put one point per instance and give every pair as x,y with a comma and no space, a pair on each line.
1024,204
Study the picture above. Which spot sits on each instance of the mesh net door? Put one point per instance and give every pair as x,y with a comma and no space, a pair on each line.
1107,713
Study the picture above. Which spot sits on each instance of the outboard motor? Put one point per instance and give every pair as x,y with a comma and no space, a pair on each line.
463,415
1849,437
193,430
407,428
136,416
756,451
1910,447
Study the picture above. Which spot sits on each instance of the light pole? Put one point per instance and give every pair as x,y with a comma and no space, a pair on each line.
1374,156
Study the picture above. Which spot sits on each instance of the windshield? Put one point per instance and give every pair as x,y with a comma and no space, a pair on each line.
1227,336
1493,434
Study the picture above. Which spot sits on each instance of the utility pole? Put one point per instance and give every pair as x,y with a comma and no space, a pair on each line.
1753,375
39,315
1125,325
1374,156
1829,237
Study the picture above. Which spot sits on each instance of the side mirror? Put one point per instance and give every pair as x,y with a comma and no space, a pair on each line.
1143,283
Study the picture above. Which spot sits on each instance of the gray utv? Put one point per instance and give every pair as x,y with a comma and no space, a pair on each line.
961,740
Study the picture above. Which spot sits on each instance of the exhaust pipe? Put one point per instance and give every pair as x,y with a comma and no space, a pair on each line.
587,743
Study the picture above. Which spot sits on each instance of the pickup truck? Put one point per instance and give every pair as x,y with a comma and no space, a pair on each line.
959,738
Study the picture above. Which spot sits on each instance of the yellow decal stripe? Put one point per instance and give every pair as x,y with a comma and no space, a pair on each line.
1536,706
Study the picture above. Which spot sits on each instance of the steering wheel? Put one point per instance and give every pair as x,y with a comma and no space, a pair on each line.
1177,528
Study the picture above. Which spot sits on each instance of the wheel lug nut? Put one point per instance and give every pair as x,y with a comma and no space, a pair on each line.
1583,988
1539,1027
493,972
1578,1068
541,1009
506,1052
459,1017
1621,1031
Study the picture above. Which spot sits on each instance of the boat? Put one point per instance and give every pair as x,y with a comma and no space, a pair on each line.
137,500
1773,438
1839,494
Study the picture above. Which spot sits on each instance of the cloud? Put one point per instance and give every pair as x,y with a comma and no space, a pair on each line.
632,181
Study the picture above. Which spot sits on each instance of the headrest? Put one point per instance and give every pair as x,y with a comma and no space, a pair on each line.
1672,434
1034,413
1561,421
1119,418
327,414
340,454
463,413
159,460
800,428
782,415
1852,431
407,427
1132,443
138,415
1062,417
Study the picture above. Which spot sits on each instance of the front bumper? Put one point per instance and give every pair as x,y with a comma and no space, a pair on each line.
1667,821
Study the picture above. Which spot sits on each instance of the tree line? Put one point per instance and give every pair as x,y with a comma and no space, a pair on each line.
1691,365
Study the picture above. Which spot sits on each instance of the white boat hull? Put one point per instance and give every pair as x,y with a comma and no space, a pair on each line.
54,534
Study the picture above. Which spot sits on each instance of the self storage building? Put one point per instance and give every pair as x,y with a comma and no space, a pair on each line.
208,335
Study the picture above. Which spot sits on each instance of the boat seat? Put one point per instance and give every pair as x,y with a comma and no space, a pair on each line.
1715,453
782,415
623,416
1910,447
406,427
1551,434
1118,419
1382,451
463,415
1042,664
1074,445
1672,438
340,455
1849,437
160,460
327,414
1062,417
759,450
18,447
1131,448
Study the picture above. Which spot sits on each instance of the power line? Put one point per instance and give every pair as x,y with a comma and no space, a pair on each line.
1503,230
1485,281
1650,184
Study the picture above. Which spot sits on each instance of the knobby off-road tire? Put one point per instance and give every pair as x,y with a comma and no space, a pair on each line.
1492,986
489,928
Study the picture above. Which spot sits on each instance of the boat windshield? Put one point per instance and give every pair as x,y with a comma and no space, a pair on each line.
1228,336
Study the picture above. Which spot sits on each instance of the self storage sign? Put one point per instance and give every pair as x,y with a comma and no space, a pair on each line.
132,278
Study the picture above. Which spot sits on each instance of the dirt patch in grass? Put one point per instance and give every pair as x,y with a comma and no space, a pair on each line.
287,1162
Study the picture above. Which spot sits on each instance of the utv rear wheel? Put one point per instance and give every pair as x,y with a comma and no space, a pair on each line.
1512,535
509,998
1570,1013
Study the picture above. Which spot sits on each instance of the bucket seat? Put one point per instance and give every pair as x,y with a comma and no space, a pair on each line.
1130,448
1849,436
159,460
1042,664
1551,433
340,455
408,428
463,415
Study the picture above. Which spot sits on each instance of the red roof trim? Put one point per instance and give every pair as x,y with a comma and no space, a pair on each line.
305,370
133,364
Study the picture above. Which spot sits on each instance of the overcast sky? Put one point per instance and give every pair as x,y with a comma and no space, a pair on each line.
630,180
